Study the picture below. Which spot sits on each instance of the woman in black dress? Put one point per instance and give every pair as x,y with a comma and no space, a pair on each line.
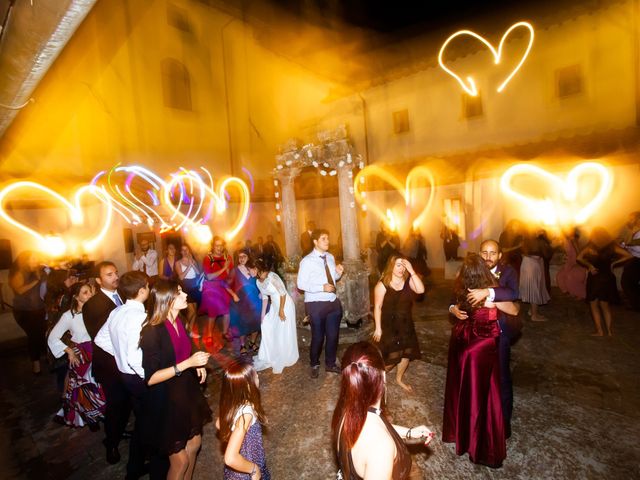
600,256
176,409
393,301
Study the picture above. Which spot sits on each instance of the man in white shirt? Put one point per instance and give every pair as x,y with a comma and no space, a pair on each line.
317,277
146,259
120,336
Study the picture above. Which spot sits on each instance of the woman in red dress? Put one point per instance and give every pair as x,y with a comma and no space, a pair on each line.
216,292
472,406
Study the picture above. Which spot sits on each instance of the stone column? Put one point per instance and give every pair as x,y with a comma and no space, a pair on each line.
348,217
289,212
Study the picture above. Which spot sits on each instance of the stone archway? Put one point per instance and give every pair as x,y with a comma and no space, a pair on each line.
334,156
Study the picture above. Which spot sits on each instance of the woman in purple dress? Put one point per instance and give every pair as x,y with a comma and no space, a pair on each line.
175,408
472,406
216,293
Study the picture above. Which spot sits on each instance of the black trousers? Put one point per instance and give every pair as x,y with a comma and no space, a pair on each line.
118,403
34,324
325,324
138,448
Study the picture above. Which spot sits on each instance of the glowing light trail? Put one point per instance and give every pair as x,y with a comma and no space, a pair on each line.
563,209
54,245
406,190
471,87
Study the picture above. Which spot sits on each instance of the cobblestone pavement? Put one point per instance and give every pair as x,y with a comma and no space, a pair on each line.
577,407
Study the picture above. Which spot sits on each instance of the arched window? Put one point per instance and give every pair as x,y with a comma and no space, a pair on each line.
176,84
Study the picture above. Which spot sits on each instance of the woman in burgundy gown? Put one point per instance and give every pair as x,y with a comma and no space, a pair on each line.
472,406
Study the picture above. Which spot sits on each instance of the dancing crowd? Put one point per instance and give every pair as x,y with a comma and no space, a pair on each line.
139,342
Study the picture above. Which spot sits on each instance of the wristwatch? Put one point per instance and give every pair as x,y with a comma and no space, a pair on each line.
177,371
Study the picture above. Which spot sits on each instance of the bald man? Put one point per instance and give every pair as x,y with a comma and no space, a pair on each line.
507,290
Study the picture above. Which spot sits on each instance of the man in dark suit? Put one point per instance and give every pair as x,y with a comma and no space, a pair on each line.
306,242
95,313
508,290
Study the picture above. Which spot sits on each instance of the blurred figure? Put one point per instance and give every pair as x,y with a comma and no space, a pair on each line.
367,444
631,274
188,272
547,255
272,254
533,289
258,248
450,241
473,416
168,263
600,256
145,259
415,250
26,277
394,329
510,241
387,244
306,243
572,278
83,400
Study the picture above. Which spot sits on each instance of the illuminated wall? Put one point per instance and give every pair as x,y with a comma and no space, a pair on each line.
103,99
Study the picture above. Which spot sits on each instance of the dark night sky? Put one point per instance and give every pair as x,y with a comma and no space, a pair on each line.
408,17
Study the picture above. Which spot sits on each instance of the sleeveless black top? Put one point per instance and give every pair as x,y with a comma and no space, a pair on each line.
402,462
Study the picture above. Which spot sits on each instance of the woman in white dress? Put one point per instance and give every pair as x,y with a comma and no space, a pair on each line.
279,345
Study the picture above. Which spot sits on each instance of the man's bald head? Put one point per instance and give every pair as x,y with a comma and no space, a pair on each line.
490,242
490,252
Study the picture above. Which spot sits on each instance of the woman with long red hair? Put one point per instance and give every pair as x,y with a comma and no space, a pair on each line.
240,424
368,446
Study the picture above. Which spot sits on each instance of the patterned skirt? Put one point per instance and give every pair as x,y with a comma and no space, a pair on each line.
83,400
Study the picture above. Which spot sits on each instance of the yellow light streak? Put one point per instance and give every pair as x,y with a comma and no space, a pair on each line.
55,245
471,87
406,190
562,209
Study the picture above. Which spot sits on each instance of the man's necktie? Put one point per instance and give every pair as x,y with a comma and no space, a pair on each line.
116,298
327,271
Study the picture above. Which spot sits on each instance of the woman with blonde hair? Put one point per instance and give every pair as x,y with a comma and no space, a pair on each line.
176,409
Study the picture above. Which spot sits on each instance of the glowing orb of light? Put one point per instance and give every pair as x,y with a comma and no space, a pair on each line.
391,220
406,190
55,244
471,87
563,208
202,234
